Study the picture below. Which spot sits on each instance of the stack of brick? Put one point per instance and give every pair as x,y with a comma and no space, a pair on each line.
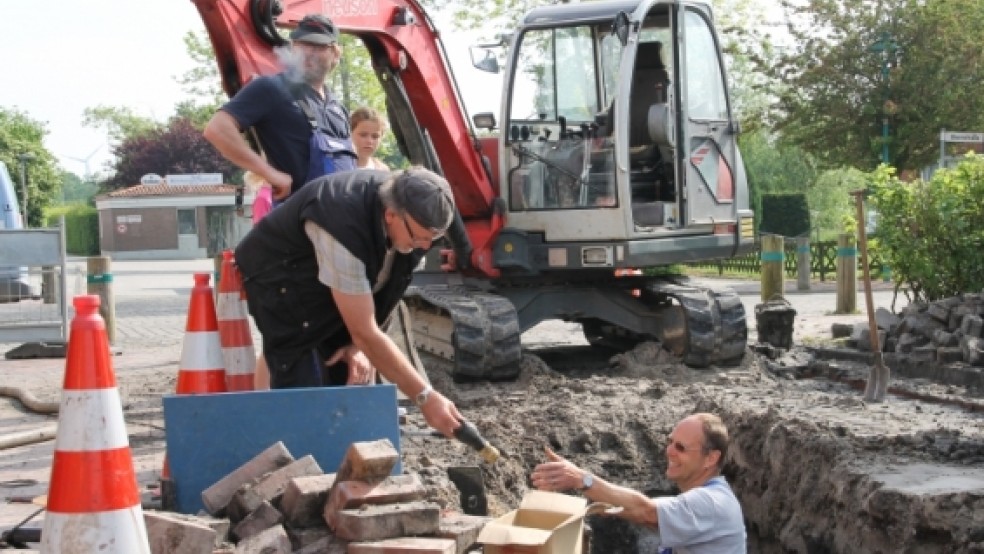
945,331
275,503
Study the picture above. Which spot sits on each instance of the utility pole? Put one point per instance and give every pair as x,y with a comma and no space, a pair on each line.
887,47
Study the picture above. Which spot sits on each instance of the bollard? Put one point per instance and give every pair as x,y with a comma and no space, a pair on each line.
803,260
99,281
773,259
847,275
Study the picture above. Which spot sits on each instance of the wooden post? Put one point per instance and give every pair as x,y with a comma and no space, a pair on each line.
847,275
772,267
803,260
99,281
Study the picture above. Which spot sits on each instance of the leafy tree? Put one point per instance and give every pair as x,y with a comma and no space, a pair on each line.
21,135
202,81
774,166
120,123
855,65
831,204
178,147
76,190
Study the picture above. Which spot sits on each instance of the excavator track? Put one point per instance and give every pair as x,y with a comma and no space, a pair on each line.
716,330
477,331
702,326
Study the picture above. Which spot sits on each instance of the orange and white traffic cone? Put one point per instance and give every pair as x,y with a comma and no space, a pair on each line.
234,333
202,369
93,499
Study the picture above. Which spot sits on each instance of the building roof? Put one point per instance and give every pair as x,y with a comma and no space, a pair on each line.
164,189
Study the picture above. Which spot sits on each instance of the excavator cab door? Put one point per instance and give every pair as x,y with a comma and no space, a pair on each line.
709,138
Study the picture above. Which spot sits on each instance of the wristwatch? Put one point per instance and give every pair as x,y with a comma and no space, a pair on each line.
422,396
586,481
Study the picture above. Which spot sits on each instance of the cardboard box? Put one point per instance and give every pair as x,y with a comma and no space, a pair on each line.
545,523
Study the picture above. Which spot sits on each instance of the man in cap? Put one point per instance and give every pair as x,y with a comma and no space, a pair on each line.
293,113
327,267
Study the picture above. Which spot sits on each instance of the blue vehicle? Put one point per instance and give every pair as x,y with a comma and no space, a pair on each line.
13,280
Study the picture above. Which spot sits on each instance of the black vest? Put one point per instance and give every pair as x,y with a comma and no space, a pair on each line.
293,309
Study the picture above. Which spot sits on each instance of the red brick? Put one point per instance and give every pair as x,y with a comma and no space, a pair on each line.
373,523
273,539
368,461
260,519
304,500
270,487
353,494
404,545
170,533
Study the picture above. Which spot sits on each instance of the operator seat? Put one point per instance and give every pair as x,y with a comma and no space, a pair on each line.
649,86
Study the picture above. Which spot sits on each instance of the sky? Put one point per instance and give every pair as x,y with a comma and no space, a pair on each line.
64,57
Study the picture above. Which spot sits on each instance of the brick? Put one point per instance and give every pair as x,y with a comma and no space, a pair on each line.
368,461
886,320
404,545
942,338
973,350
463,529
939,312
217,497
347,495
972,325
949,354
171,533
373,523
304,500
270,487
262,518
300,538
272,540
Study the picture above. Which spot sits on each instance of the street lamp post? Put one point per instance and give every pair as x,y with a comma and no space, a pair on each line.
24,159
886,46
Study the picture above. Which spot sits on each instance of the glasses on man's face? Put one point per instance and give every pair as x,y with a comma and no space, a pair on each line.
682,448
419,242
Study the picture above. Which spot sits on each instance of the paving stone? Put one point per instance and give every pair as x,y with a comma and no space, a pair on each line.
260,519
304,499
404,545
217,497
172,533
271,541
373,523
270,487
462,528
347,495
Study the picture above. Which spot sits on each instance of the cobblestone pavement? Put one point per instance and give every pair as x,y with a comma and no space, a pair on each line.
151,300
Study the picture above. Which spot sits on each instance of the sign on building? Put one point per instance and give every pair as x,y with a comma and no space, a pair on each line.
194,179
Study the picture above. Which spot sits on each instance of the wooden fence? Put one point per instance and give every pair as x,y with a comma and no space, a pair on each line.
823,261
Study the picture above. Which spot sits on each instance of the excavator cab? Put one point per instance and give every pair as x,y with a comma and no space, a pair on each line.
617,126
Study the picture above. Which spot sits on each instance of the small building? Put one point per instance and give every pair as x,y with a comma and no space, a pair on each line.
175,217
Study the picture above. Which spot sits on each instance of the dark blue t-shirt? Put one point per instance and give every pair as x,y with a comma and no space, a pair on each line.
266,104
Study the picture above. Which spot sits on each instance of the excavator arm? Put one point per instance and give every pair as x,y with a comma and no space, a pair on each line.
422,98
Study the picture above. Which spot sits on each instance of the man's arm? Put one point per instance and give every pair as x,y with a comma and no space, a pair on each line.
224,134
560,474
358,313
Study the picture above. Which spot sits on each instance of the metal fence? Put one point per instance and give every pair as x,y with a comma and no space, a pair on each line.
823,261
33,288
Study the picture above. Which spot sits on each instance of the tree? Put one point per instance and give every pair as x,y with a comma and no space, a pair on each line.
178,147
76,190
21,135
120,123
857,68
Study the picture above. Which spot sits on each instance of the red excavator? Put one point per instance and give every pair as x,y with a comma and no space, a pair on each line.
615,152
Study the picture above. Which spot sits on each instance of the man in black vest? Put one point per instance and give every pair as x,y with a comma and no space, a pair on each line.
326,267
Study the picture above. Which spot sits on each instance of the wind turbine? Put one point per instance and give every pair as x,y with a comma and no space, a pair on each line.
85,160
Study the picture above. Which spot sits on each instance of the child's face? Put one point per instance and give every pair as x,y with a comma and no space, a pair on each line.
366,137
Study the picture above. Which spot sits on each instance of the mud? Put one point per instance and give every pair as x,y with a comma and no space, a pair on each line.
815,467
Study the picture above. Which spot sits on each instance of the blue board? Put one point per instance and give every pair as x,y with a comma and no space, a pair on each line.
210,435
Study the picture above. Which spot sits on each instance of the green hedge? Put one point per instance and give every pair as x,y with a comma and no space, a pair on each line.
81,228
785,214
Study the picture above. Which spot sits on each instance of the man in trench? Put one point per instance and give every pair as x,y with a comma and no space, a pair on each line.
705,518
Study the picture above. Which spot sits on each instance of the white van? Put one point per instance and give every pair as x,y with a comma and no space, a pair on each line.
13,279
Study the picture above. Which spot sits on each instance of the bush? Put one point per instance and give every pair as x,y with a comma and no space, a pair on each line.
81,227
932,233
785,214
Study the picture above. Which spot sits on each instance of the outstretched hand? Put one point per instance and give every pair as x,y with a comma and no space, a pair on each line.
557,474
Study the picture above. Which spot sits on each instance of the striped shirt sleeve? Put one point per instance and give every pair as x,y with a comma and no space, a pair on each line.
338,268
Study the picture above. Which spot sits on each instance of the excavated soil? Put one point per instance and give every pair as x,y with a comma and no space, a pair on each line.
815,467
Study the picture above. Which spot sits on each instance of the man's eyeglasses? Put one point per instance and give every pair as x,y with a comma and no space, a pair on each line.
419,242
681,448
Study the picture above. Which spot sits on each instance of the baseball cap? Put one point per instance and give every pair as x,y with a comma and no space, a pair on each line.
316,29
426,197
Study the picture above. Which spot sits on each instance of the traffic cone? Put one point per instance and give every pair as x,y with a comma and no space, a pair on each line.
202,370
234,334
93,499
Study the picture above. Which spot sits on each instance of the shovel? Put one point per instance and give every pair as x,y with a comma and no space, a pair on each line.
877,386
